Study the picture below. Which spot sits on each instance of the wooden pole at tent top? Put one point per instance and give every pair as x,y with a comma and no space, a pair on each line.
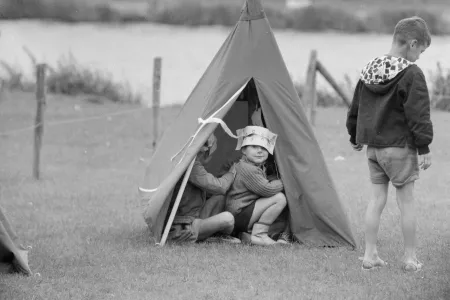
176,204
39,123
157,62
309,94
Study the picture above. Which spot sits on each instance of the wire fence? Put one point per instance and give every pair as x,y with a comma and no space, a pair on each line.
41,104
73,121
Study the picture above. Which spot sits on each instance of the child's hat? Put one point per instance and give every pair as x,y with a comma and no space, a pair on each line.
256,136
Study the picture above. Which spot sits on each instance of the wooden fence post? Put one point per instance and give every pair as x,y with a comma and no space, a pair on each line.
156,97
309,94
333,83
39,124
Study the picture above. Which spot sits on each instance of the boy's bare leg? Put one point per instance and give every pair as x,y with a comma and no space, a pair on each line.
373,215
223,222
268,209
406,204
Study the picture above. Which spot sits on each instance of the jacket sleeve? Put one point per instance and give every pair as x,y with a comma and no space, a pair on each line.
255,181
417,112
208,182
352,114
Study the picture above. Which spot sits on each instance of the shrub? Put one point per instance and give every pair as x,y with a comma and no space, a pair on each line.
439,82
226,13
105,13
384,20
70,78
14,78
312,18
324,97
278,18
65,11
320,18
440,91
15,9
197,13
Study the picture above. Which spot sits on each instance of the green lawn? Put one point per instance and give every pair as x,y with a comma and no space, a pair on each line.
89,240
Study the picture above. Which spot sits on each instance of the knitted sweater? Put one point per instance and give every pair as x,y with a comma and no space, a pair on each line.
200,183
250,184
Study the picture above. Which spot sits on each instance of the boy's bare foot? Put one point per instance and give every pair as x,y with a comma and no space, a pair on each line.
370,264
412,265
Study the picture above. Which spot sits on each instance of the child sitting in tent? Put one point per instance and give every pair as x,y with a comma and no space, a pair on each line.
254,201
198,217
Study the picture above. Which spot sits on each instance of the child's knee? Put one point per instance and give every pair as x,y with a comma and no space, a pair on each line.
280,199
227,219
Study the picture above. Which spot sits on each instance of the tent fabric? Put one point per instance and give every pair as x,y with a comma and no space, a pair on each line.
13,256
250,56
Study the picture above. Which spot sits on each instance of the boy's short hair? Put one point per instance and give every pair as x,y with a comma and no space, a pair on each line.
414,28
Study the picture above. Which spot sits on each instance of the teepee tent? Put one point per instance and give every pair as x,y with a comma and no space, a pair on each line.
248,72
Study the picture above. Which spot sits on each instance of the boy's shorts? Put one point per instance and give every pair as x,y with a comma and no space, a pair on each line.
398,165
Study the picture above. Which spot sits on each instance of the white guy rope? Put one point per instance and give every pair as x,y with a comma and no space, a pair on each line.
210,119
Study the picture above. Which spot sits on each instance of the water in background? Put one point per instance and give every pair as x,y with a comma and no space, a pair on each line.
127,51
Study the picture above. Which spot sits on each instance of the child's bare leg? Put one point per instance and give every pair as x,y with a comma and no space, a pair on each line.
268,209
406,204
372,223
265,212
223,222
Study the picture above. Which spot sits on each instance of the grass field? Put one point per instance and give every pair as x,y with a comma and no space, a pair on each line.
89,240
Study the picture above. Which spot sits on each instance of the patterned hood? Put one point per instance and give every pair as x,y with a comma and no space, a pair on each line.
383,69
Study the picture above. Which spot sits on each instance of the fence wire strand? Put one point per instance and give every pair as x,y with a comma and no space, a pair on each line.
72,121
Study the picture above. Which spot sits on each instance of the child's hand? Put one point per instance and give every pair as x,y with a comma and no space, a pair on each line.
357,147
233,169
425,161
202,158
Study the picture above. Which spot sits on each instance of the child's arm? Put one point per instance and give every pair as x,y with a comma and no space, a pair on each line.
352,114
254,179
208,182
417,111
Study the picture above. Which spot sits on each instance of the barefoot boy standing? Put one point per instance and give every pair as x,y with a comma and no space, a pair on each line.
390,113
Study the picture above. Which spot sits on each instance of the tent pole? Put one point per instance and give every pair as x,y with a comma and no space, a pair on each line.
176,204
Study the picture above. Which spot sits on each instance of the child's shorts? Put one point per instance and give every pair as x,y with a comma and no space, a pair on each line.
398,165
242,219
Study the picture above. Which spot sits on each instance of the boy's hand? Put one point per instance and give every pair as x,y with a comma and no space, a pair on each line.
425,161
357,147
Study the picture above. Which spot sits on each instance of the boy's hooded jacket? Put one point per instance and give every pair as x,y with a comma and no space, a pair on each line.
391,106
